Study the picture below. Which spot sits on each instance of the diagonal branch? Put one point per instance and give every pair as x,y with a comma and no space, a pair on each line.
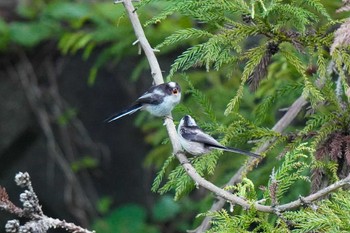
142,40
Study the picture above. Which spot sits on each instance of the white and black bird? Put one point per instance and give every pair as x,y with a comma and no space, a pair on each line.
159,101
196,142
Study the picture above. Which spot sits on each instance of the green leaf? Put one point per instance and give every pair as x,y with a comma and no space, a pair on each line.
92,76
319,7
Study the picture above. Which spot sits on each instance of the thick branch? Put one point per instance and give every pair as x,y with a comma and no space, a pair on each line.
141,38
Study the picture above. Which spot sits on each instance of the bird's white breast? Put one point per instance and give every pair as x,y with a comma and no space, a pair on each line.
165,107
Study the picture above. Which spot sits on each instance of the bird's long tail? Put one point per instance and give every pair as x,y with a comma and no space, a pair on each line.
128,111
239,151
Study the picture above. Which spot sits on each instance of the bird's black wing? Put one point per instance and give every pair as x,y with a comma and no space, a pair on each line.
195,134
150,98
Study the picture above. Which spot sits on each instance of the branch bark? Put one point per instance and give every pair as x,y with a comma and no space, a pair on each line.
142,40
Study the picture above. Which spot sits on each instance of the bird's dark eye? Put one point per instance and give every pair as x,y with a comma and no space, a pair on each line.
175,91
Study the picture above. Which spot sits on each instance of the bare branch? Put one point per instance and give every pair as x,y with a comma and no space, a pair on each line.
141,38
37,221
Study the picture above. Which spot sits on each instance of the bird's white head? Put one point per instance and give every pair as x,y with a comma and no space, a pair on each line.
188,121
173,88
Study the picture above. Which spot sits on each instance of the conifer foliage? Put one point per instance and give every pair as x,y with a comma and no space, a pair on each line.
281,49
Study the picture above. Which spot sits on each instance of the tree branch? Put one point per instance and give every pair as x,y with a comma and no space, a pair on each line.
279,127
142,40
31,210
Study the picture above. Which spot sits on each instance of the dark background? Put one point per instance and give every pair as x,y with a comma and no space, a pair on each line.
118,150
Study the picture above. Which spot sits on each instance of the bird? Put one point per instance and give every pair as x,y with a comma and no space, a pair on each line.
196,142
159,101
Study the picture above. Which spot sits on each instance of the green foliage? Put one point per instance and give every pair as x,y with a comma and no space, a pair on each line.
329,216
157,181
224,222
165,209
267,104
225,35
30,34
98,28
184,34
245,189
290,171
202,101
231,44
165,214
129,219
254,55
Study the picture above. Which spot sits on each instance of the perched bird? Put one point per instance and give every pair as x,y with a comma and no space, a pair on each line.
196,142
159,100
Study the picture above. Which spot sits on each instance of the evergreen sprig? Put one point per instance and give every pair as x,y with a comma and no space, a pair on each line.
289,171
202,101
330,215
261,112
184,34
254,55
157,181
